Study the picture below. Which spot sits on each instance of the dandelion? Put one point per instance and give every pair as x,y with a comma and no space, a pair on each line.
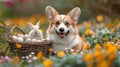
60,54
99,18
48,63
39,55
18,45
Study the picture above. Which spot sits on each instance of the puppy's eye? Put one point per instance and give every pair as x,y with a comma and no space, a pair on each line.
57,23
32,28
66,23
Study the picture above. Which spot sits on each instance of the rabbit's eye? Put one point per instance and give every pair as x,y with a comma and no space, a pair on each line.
57,23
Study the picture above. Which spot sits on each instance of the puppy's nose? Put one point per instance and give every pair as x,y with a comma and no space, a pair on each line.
61,29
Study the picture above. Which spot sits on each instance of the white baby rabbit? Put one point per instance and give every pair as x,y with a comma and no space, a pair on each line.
35,33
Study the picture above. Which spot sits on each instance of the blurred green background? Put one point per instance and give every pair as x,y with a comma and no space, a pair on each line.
89,8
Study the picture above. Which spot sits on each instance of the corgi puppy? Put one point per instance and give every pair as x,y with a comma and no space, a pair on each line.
62,30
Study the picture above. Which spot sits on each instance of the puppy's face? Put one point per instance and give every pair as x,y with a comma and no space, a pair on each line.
62,25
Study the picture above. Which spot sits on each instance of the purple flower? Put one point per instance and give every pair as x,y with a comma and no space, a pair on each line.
7,58
4,59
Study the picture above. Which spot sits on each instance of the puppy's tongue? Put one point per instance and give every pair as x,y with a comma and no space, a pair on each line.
61,35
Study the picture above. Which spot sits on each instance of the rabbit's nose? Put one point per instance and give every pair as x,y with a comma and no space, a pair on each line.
35,32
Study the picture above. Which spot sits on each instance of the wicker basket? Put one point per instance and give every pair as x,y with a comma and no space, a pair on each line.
26,48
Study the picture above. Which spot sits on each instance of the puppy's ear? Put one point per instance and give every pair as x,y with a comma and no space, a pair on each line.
37,24
75,14
50,13
30,25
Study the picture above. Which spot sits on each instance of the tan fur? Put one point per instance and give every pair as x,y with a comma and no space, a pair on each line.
72,40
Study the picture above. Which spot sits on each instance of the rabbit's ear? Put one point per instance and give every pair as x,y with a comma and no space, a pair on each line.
37,24
30,25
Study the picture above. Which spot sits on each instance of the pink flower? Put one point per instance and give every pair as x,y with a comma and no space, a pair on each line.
9,3
4,59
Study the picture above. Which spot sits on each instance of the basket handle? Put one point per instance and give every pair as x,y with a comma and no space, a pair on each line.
15,27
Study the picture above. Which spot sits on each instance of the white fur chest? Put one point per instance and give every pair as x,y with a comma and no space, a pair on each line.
60,44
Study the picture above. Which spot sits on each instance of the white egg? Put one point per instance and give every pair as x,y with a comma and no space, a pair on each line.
14,38
19,35
39,40
34,40
28,40
20,39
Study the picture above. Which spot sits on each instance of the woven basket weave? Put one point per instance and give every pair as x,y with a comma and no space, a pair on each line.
27,48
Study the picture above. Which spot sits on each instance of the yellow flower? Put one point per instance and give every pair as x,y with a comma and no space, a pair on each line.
99,18
51,50
110,25
99,55
39,55
107,45
88,57
87,47
16,60
97,47
48,63
118,47
103,64
113,30
112,52
18,45
88,31
60,54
